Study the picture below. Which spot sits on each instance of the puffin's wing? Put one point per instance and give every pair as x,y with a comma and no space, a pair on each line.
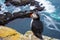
38,25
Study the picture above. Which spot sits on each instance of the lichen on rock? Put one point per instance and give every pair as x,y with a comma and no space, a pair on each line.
7,33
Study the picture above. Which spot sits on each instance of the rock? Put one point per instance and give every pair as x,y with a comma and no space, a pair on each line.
7,33
31,36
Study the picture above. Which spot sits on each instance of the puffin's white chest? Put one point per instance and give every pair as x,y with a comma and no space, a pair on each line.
31,23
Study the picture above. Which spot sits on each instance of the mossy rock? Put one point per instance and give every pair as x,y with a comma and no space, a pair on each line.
7,33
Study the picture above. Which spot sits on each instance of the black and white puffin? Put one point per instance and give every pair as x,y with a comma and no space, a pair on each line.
36,25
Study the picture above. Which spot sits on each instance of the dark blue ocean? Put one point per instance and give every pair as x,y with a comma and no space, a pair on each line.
51,21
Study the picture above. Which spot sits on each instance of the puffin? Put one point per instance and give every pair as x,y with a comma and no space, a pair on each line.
36,25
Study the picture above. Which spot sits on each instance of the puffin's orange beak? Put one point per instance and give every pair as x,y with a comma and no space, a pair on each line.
31,14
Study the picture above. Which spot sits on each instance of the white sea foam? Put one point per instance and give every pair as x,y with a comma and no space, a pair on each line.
49,8
17,9
49,21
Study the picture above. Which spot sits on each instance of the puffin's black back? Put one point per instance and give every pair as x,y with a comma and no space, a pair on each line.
37,27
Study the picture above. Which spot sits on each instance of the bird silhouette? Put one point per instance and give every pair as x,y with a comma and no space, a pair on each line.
36,25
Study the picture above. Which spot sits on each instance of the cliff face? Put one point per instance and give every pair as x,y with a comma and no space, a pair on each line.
11,34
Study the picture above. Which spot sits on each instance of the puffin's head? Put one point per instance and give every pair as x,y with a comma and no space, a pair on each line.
34,15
